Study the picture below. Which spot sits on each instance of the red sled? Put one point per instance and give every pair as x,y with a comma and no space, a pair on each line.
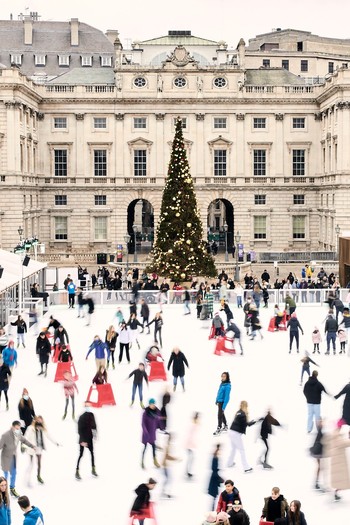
157,371
224,344
262,522
100,395
282,325
146,514
65,367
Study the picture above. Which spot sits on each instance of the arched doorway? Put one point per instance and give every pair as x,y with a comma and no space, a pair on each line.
220,213
140,226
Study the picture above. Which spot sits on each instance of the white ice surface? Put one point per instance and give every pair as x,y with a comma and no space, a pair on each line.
267,376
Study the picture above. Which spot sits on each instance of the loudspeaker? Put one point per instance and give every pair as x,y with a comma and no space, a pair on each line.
26,260
101,258
1,272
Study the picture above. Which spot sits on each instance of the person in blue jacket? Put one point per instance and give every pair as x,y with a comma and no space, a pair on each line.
32,515
222,399
101,352
5,511
71,288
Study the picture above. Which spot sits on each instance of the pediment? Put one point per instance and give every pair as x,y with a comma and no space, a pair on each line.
220,141
140,141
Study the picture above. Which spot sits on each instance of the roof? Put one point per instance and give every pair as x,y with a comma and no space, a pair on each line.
11,263
85,76
172,40
272,77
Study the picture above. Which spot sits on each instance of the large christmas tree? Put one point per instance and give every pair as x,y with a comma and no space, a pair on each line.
179,251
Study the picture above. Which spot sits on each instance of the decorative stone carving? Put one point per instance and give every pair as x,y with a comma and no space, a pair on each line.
40,115
180,57
200,116
279,116
79,116
318,116
240,116
160,116
119,116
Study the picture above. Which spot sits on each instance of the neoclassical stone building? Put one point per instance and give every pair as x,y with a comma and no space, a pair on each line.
85,144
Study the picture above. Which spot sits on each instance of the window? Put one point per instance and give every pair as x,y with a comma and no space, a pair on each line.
63,60
266,62
140,82
220,82
298,162
260,227
299,46
285,64
61,228
100,163
220,122
304,65
298,227
140,123
61,162
330,67
60,122
40,60
259,199
140,163
100,123
16,59
298,199
86,61
184,122
60,200
220,162
298,122
259,123
260,162
180,82
100,200
100,228
106,61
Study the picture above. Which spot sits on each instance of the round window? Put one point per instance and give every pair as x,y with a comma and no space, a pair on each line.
140,82
220,82
180,82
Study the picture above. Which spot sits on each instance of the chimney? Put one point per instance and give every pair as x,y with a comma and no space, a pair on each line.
112,35
74,32
28,31
241,53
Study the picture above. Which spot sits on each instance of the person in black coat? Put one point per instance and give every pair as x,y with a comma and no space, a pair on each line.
65,355
265,430
215,478
53,323
179,361
87,430
5,374
331,329
26,410
294,515
142,501
346,405
313,391
21,330
43,350
144,314
61,336
294,327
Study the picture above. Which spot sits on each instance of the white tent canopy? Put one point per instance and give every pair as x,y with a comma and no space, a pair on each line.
11,263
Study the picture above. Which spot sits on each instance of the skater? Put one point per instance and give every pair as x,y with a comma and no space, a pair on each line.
178,360
209,302
342,340
26,410
124,341
144,313
167,457
81,302
339,469
237,515
71,288
100,377
9,355
8,445
158,323
101,349
87,431
217,329
133,323
120,317
43,350
275,506
69,388
21,330
61,336
91,308
346,406
139,376
5,511
215,478
294,327
227,496
191,443
247,314
330,329
239,291
225,308
199,304
36,434
32,515
265,431
5,376
3,340
290,304
317,451
222,399
65,355
278,316
306,366
316,339
163,412
150,422
186,301
294,515
255,322
111,341
236,433
141,505
313,391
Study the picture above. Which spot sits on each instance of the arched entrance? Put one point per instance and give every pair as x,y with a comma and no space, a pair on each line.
140,226
220,213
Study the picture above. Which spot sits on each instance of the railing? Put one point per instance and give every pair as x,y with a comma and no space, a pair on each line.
297,256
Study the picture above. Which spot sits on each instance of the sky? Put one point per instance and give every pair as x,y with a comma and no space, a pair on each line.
217,20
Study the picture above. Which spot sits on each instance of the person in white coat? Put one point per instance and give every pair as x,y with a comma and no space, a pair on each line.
124,338
36,434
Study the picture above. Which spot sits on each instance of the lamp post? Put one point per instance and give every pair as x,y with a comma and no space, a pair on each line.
135,248
237,240
337,232
225,230
127,240
20,287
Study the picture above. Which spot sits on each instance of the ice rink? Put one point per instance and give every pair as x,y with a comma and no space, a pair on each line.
267,376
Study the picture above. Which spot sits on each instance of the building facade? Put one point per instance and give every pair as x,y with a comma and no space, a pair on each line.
84,153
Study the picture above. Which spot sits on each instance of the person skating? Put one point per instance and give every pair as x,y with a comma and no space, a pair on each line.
65,355
5,510
330,329
43,350
124,341
4,339
71,289
316,339
225,308
36,434
5,376
87,431
167,457
236,334
294,327
61,336
215,478
313,389
317,451
133,323
255,322
275,506
100,378
342,340
236,433
158,323
265,430
141,506
306,360
9,355
101,350
186,301
237,515
150,422
229,495
139,375
32,515
346,405
111,341
191,443
69,388
21,330
178,360
26,410
222,399
144,313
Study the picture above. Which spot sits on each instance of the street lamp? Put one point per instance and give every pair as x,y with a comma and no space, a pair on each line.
237,240
225,230
20,250
337,232
127,240
135,249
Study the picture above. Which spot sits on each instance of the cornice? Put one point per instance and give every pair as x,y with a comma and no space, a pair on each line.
175,101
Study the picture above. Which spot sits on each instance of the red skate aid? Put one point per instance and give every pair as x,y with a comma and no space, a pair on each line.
224,344
100,395
157,371
263,522
65,367
56,353
145,514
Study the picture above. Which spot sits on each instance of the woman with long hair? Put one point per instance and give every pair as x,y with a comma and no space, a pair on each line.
133,323
36,434
5,376
158,323
237,431
5,511
26,410
111,341
222,399
294,515
124,341
101,376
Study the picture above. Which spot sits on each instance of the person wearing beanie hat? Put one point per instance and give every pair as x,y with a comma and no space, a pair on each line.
237,515
151,420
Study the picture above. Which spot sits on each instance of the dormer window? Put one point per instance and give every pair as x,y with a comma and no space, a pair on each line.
63,60
40,60
86,61
16,58
106,61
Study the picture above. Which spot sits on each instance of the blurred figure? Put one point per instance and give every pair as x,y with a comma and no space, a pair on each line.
150,423
141,505
165,467
144,314
36,434
191,443
5,376
3,339
87,431
317,451
9,355
26,410
69,388
215,478
163,411
265,431
275,506
337,445
346,406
